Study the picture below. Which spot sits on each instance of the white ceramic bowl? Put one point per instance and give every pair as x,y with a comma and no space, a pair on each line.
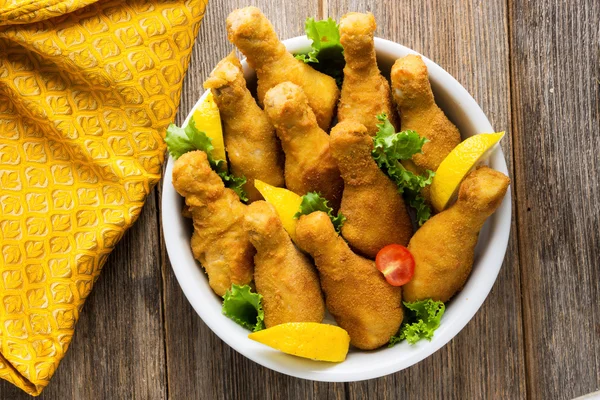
460,107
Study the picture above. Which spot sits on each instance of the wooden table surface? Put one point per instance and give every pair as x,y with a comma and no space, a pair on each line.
534,67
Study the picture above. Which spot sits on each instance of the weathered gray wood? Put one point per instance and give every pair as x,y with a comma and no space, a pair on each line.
552,65
118,350
555,64
470,40
200,365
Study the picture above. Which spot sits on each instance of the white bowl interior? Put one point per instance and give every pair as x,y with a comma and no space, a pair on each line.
462,109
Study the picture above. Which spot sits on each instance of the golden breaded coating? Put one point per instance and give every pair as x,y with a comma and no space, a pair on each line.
219,241
412,93
365,92
375,212
252,146
252,33
356,293
309,166
444,247
283,275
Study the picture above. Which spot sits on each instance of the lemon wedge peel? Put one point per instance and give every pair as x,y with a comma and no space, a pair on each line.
208,120
321,342
457,164
286,203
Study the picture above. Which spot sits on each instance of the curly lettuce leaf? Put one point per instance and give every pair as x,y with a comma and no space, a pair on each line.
421,319
244,307
312,202
389,148
396,146
182,140
234,183
327,53
418,203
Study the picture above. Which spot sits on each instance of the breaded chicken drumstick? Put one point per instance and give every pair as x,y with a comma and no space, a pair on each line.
444,247
356,293
251,32
309,166
219,241
283,275
365,92
412,93
252,146
375,212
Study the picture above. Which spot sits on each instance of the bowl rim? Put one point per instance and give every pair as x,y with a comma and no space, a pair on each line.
374,364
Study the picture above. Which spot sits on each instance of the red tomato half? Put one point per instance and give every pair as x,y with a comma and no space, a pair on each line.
396,263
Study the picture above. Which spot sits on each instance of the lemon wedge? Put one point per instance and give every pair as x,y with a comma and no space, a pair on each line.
461,160
286,203
208,120
306,339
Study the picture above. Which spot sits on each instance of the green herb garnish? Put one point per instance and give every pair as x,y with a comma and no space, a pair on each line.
244,307
327,53
421,319
312,202
389,148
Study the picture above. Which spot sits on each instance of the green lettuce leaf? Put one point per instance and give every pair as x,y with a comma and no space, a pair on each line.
234,183
389,148
418,203
244,307
396,146
312,202
181,140
327,53
421,319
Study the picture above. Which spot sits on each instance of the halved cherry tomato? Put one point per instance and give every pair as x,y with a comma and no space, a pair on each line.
396,263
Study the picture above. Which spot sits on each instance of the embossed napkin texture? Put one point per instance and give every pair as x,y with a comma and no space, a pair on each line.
87,89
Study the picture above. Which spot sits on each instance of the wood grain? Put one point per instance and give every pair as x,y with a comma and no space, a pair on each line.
534,67
470,40
117,351
555,63
199,364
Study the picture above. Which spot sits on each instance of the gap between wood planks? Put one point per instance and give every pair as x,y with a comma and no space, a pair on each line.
162,257
513,185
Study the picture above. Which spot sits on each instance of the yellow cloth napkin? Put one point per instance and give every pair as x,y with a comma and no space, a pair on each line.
87,89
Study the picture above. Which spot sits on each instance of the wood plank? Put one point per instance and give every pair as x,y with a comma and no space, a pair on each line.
555,63
117,351
469,40
200,365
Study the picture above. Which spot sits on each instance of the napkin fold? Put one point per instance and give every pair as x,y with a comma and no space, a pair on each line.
87,89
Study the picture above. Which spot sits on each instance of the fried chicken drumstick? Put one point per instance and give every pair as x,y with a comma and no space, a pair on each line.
375,212
219,241
252,146
365,92
419,112
444,247
356,293
309,165
252,33
283,275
